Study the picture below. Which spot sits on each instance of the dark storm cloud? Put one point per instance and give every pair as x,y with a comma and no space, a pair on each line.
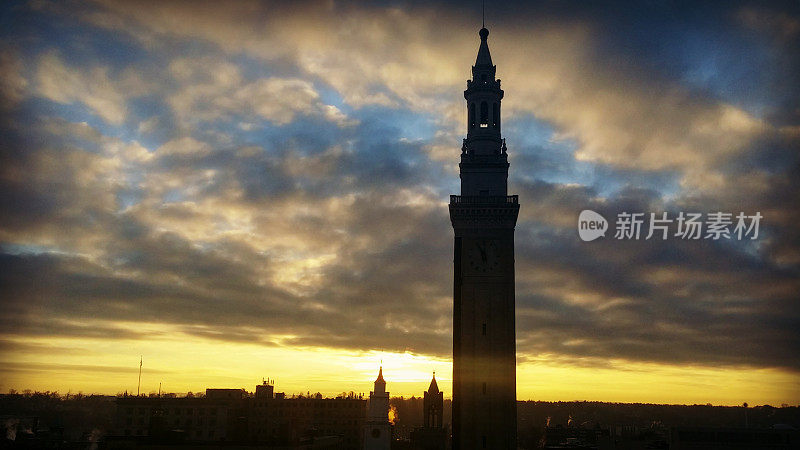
702,44
667,301
192,192
214,291
618,302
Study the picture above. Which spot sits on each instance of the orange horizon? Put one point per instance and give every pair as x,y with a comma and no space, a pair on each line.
331,372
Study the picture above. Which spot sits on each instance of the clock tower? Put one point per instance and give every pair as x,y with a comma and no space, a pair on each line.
483,218
378,430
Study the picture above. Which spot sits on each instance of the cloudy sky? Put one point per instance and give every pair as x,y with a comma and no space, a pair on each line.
258,190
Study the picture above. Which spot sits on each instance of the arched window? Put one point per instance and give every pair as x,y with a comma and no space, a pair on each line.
484,114
472,115
496,115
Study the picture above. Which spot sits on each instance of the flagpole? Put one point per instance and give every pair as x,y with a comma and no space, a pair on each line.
140,376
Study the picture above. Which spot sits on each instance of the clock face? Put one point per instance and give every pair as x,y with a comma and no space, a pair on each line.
483,256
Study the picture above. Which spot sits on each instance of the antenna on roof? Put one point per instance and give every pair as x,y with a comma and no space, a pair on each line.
483,14
140,376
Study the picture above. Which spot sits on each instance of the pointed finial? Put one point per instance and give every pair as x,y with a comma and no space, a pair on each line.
434,387
380,375
483,14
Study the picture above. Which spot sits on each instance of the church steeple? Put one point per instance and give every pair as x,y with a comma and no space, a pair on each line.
377,430
433,405
434,387
380,383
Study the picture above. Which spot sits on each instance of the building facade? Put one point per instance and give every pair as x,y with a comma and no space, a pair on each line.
275,420
483,219
170,419
231,416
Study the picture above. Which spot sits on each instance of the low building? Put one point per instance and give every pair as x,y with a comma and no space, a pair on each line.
218,416
577,438
233,416
276,420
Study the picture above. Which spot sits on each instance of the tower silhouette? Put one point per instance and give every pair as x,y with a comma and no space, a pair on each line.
433,404
432,435
483,219
378,431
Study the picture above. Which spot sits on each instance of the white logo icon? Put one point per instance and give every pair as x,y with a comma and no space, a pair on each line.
591,225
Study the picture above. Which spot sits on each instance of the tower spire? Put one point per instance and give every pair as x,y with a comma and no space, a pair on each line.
483,97
433,387
484,59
